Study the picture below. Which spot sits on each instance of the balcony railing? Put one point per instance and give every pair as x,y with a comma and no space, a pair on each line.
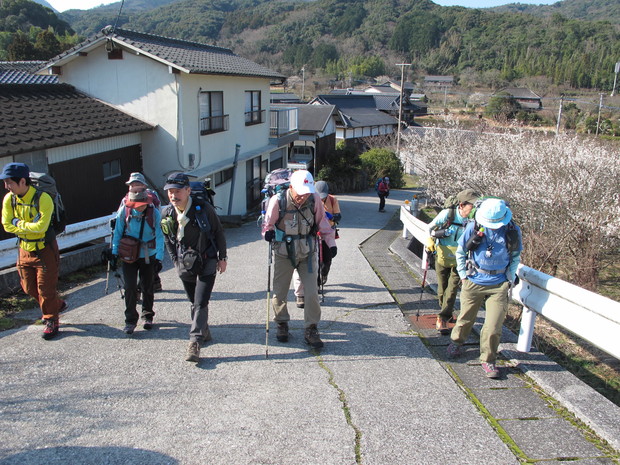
254,117
212,124
283,121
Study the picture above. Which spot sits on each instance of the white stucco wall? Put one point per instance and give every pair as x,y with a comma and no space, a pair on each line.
146,89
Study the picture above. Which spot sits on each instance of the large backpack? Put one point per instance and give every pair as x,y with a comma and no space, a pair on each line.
43,182
202,191
275,182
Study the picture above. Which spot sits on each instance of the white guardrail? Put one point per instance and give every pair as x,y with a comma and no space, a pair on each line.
75,234
590,316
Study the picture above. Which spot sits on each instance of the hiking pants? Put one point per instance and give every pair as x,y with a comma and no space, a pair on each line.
447,287
472,297
199,293
326,262
130,275
38,274
381,201
282,274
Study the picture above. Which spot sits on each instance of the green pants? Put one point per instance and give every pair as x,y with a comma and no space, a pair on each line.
472,297
447,286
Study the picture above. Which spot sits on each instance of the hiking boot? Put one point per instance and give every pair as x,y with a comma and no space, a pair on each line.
299,300
148,324
282,334
455,350
129,328
442,326
51,328
490,369
193,352
312,337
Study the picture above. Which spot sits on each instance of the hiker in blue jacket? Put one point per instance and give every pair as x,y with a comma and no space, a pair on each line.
141,221
487,256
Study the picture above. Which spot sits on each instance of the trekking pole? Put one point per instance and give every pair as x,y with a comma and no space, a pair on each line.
268,302
107,279
321,285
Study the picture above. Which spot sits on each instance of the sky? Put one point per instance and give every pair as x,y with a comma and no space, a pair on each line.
62,5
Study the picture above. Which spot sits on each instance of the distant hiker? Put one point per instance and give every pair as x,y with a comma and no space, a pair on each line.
137,183
446,229
139,243
332,211
27,213
383,191
197,246
292,219
487,256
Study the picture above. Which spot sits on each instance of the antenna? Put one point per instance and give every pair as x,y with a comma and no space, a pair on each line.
118,16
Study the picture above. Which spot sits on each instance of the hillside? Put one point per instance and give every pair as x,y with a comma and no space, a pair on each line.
603,10
357,39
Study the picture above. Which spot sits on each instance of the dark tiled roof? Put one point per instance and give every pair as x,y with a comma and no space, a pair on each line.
520,92
311,118
357,110
42,116
23,77
27,66
192,57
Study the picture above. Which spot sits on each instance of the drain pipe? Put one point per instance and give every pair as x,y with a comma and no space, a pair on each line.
232,182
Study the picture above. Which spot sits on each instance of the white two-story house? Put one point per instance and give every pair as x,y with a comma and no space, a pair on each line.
210,108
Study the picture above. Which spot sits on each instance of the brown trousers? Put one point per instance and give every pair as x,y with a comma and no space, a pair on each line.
38,273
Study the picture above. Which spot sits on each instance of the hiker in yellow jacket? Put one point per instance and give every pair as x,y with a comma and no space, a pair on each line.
38,259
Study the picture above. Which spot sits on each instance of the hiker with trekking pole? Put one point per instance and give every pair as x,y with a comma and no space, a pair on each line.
445,231
292,219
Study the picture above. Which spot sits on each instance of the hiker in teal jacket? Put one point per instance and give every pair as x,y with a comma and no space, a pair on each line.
138,218
445,230
488,255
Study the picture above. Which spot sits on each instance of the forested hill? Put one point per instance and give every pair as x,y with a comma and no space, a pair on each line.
603,10
365,38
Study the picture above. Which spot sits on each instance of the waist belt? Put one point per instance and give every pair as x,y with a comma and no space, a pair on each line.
490,272
292,237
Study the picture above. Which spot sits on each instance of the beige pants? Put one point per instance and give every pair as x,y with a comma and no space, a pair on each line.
496,305
282,274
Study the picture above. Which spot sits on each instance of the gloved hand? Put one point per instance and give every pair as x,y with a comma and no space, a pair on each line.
333,251
270,235
158,266
430,245
14,221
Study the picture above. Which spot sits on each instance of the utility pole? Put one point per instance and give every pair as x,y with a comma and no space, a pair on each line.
303,82
616,71
557,128
400,108
598,120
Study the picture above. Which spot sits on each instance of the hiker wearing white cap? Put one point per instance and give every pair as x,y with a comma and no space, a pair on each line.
293,230
487,256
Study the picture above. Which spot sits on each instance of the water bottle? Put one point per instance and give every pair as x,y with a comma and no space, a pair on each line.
474,241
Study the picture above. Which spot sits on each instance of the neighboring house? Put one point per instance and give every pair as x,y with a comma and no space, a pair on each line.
83,143
23,72
317,135
210,107
358,116
438,81
284,97
527,99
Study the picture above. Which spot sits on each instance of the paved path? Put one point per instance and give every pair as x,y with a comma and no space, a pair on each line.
378,393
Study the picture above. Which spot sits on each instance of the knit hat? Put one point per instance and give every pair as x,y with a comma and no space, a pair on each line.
137,199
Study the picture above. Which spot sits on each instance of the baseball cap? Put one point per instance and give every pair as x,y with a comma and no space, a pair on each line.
303,182
467,196
177,181
15,170
322,188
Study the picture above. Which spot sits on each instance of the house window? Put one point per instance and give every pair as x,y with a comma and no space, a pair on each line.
111,169
212,117
253,112
222,176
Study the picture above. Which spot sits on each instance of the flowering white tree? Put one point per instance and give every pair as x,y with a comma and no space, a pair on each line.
564,191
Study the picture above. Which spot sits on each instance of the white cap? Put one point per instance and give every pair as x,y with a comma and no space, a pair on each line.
303,182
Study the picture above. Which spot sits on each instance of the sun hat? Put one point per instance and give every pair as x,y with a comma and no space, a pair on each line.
177,181
137,199
136,177
467,196
322,188
302,182
493,214
15,170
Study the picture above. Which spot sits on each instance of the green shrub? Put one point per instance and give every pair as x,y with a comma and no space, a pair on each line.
382,162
